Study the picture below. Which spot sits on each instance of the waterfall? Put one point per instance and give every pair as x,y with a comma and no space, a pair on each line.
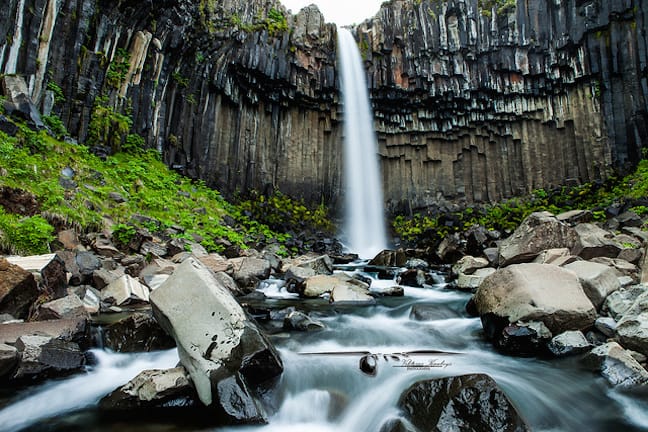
365,222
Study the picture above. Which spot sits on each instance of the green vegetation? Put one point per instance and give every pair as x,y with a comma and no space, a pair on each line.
33,162
54,123
59,97
108,127
118,69
507,215
276,23
502,6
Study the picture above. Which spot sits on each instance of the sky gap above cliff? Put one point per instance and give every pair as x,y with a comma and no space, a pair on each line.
340,12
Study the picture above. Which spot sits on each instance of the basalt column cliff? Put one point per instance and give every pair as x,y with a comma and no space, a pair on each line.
238,93
474,100
482,100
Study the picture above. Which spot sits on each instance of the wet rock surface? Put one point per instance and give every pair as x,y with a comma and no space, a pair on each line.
468,402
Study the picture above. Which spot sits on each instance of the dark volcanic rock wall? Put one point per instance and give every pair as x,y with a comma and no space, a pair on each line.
479,105
228,93
471,104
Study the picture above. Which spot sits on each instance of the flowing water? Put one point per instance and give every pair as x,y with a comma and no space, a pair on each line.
323,389
365,225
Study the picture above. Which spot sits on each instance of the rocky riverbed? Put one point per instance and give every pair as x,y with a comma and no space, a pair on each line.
561,290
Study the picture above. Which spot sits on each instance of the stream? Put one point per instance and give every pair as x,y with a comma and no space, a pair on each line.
323,389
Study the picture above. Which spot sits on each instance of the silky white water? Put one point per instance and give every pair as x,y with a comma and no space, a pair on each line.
325,392
365,222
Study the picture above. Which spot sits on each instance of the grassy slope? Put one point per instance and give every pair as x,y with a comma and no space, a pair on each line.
34,162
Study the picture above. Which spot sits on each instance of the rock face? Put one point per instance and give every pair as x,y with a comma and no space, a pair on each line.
617,365
223,88
533,292
153,388
18,289
222,350
465,403
538,232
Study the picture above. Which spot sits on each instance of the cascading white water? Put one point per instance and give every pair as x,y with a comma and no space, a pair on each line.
365,222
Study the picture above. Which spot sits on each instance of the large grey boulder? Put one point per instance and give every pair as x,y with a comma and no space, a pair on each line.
223,351
632,328
538,232
389,258
18,289
461,403
617,365
598,280
592,242
533,292
154,389
351,290
319,265
468,265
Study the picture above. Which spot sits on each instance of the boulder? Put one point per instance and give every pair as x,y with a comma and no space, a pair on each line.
318,285
632,328
223,351
138,332
533,292
389,258
73,330
49,270
417,263
104,247
461,403
606,325
391,291
42,356
622,267
617,365
619,302
101,278
598,280
414,278
569,343
69,239
299,321
350,292
592,242
248,271
319,265
226,280
451,249
154,389
85,263
557,257
431,312
538,232
125,290
468,265
217,263
472,281
9,357
68,307
296,277
19,101
18,289
523,339
575,216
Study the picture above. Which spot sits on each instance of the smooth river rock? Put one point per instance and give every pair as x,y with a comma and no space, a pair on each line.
533,292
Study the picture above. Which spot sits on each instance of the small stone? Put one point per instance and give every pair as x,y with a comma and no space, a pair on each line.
606,325
568,343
